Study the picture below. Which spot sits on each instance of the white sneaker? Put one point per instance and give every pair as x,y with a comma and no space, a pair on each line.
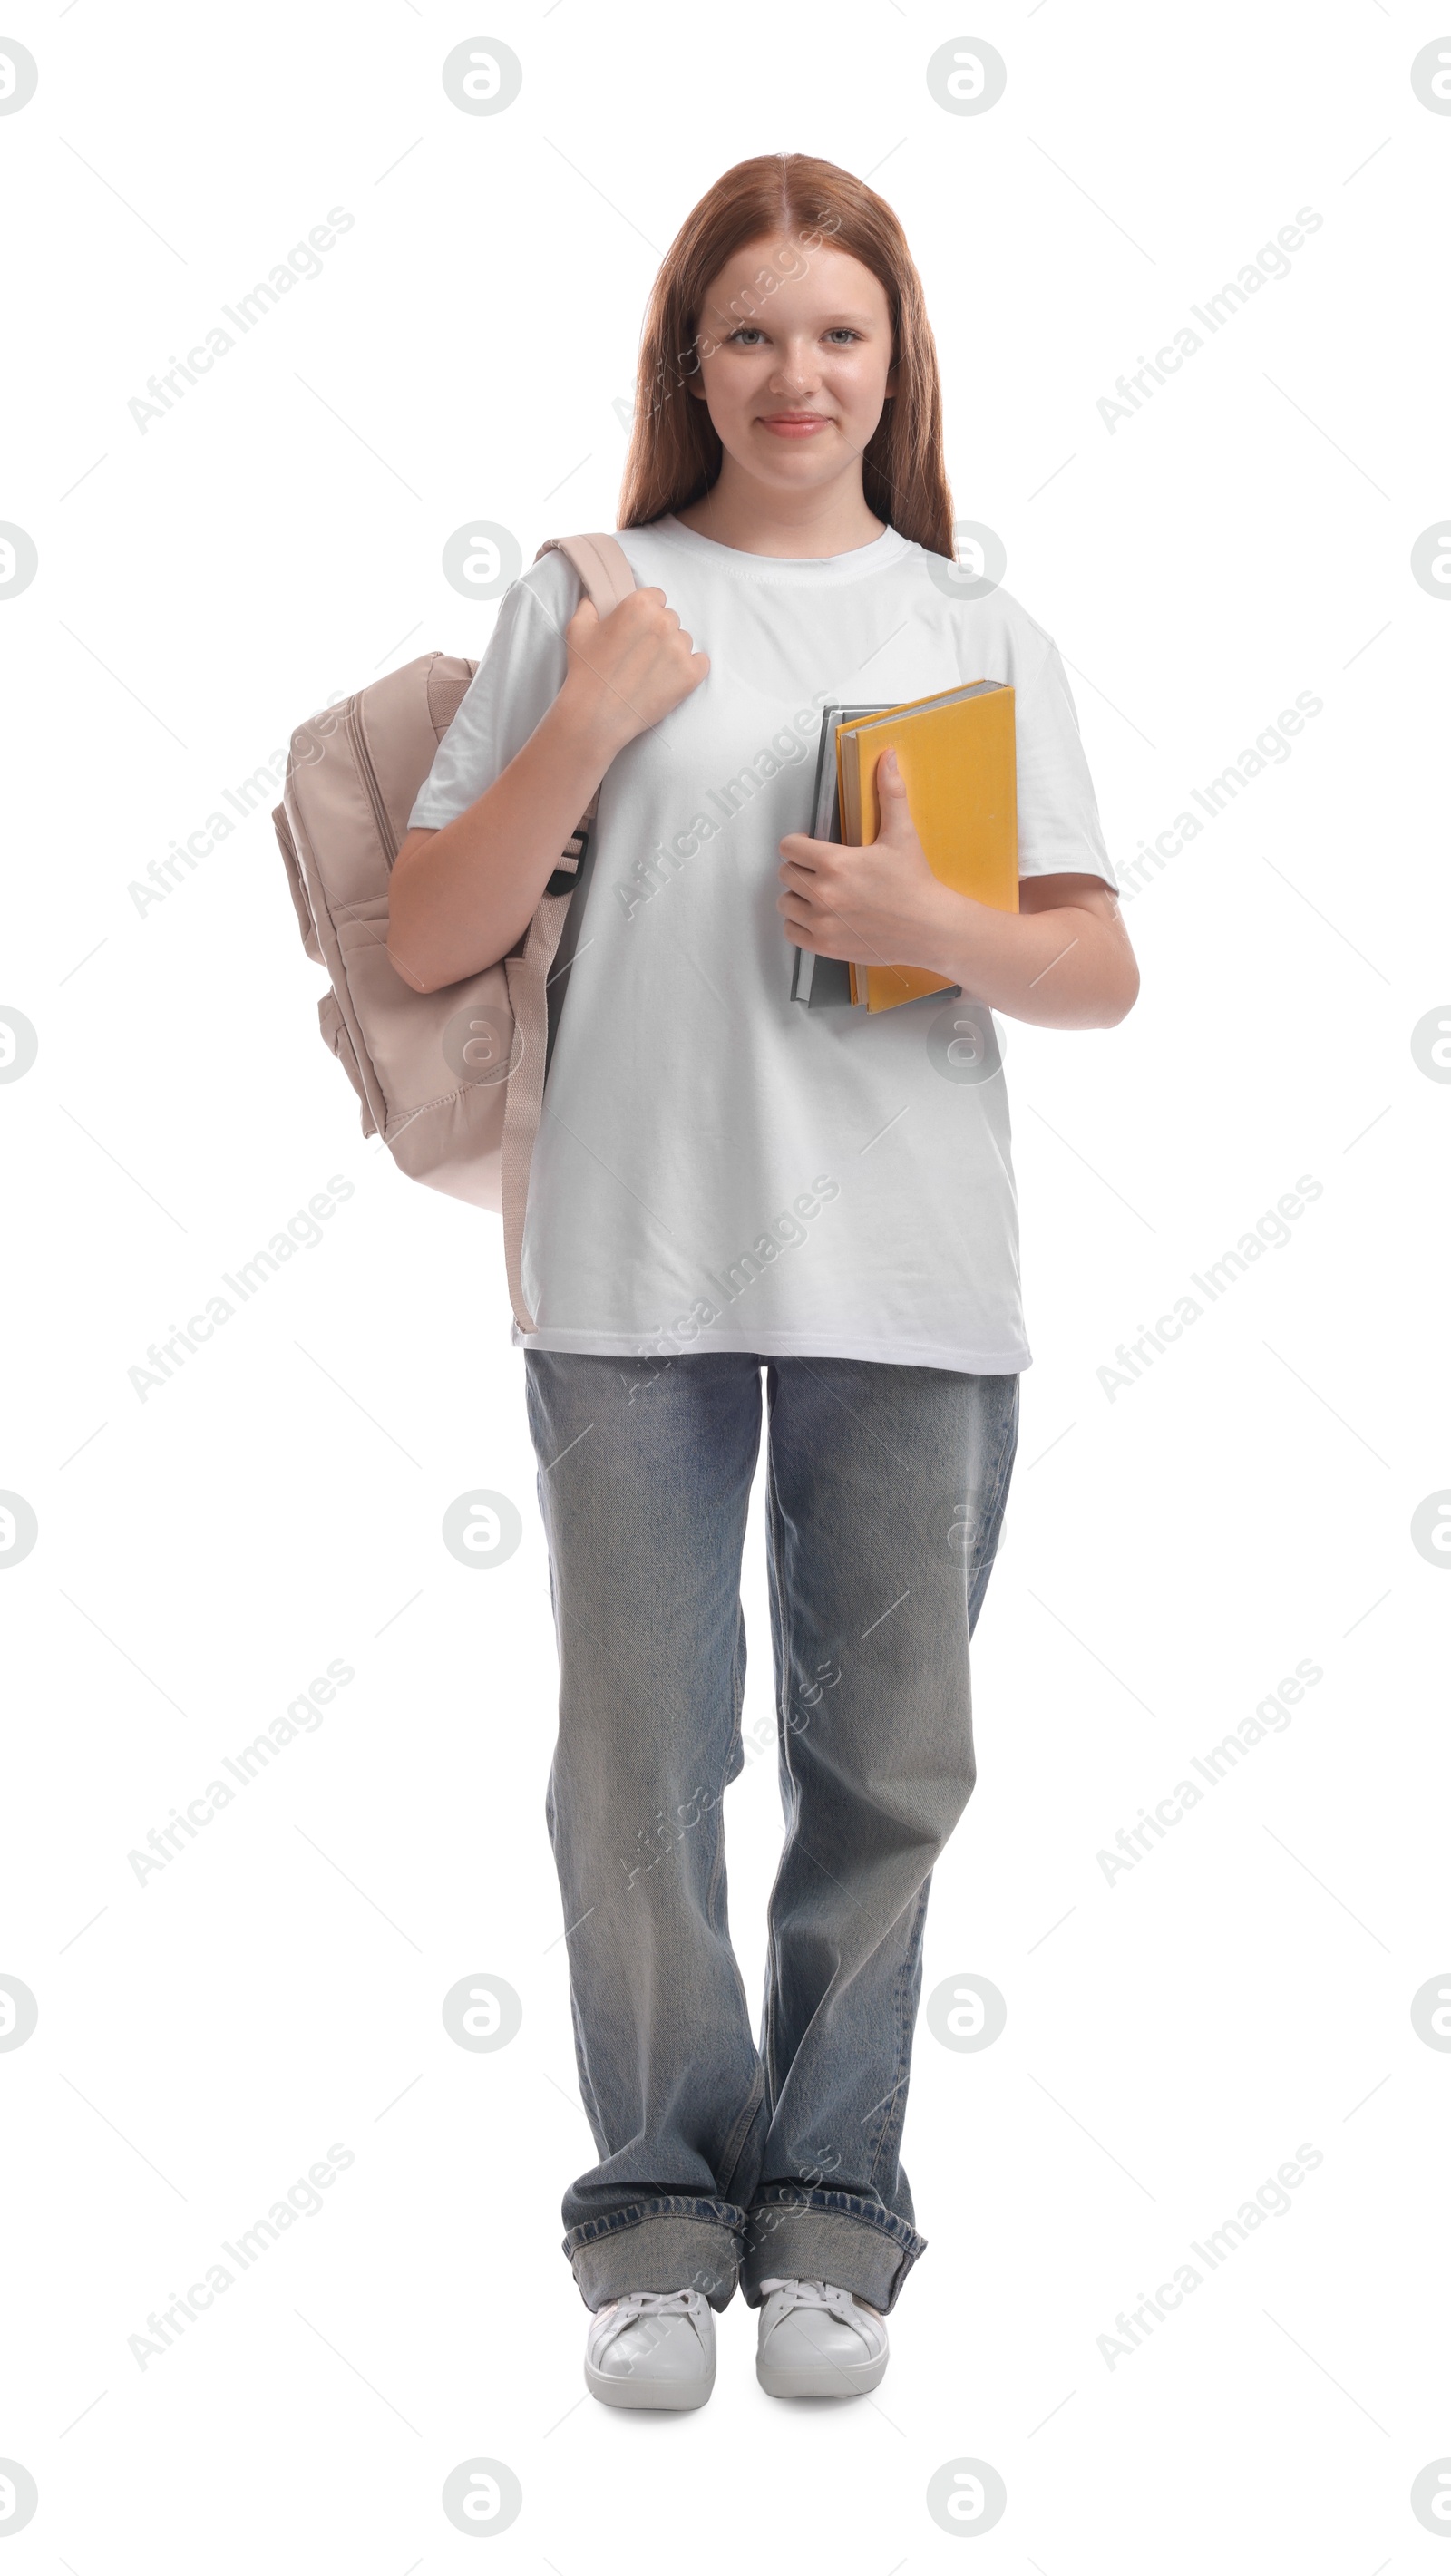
816,2341
652,2348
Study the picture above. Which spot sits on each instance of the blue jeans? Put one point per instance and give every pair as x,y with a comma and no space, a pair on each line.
721,2161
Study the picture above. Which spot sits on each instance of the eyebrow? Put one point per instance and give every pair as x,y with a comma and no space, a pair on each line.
829,321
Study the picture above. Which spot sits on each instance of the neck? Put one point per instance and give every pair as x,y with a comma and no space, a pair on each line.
738,511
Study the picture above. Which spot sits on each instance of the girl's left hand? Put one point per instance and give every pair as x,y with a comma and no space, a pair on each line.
881,904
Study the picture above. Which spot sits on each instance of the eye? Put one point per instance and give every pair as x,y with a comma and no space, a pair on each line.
741,330
844,331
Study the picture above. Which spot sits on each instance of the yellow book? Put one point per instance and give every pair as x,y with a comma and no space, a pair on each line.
957,753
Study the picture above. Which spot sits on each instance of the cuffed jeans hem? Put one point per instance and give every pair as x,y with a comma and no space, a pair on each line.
672,2244
828,2236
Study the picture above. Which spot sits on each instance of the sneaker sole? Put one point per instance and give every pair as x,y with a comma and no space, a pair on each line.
821,2379
678,2394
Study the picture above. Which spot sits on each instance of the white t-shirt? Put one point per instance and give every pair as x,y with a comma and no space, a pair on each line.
719,1168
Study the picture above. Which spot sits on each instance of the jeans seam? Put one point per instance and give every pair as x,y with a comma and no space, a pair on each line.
979,1572
895,2110
782,1643
741,2127
736,2142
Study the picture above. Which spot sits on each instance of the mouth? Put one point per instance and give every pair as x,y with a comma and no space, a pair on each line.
794,424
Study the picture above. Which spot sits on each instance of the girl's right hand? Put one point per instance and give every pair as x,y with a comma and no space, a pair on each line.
629,669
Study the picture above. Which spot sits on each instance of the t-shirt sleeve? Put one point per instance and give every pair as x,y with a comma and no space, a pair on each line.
1059,832
516,683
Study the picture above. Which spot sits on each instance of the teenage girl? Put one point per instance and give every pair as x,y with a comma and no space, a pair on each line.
727,1182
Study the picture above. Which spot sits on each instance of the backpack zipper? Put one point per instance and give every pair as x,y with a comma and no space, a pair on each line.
370,780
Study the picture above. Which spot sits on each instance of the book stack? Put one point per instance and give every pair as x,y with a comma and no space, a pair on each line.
957,754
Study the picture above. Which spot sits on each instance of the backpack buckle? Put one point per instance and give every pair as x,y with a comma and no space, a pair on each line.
566,875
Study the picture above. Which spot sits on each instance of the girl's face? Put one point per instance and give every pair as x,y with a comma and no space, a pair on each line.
795,361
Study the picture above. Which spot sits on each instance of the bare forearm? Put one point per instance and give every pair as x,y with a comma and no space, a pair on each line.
1062,960
1064,969
461,897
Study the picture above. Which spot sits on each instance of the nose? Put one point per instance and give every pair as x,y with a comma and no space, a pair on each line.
798,370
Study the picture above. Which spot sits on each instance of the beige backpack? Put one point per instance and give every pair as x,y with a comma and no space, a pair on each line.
452,1081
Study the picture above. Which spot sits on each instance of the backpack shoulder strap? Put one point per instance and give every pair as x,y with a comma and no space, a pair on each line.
604,569
601,563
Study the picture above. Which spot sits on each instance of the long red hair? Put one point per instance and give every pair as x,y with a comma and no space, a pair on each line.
675,454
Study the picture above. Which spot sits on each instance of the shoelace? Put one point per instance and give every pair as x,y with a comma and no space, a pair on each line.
819,2294
618,2314
651,2303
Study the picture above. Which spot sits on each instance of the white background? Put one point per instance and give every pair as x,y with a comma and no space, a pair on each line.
1172,2037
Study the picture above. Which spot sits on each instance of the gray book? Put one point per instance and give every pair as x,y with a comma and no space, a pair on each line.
823,983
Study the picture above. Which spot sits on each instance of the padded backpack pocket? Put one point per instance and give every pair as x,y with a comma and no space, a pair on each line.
423,1047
